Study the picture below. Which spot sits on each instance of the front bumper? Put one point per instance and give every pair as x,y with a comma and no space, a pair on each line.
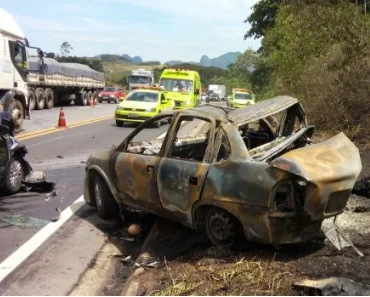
105,98
132,116
182,105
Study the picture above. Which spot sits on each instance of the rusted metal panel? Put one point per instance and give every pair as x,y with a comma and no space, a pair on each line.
261,109
331,167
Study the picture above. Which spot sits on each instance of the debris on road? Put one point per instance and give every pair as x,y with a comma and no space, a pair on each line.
60,157
57,217
339,239
333,286
23,221
134,229
362,187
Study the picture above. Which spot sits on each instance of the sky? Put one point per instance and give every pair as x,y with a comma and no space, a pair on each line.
152,29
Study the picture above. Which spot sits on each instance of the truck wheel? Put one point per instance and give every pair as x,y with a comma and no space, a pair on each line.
40,99
49,98
13,176
105,203
17,115
95,96
32,99
89,95
84,98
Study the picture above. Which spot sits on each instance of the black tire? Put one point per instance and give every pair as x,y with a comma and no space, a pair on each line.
119,123
95,96
104,201
116,101
89,95
49,99
82,99
40,99
17,110
216,220
13,176
32,99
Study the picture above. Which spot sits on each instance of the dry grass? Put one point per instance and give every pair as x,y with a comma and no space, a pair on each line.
240,277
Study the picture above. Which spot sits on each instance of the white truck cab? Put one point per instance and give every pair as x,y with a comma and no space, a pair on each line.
14,66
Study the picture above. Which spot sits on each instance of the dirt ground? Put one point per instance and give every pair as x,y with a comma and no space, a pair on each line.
190,265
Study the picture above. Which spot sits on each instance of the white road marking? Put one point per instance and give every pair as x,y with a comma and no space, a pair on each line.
27,249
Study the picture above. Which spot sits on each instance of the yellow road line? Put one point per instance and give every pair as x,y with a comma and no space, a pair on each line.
56,129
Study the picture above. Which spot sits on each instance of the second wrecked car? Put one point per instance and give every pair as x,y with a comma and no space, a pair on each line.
223,171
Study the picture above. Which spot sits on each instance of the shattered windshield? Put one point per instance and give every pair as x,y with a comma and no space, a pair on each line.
177,85
136,79
143,96
243,96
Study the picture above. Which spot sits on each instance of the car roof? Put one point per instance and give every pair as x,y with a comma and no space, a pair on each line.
246,114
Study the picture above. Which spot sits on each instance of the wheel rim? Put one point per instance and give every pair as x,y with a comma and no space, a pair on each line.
15,174
222,228
97,194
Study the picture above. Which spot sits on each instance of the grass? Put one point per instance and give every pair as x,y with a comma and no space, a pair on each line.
240,277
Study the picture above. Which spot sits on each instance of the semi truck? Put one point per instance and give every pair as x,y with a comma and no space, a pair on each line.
140,77
217,89
39,82
53,83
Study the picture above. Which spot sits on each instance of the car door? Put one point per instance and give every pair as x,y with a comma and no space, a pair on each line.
136,165
184,166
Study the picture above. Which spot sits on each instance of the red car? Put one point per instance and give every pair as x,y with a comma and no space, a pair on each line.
111,94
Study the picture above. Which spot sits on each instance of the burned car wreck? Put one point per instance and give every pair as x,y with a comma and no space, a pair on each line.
225,171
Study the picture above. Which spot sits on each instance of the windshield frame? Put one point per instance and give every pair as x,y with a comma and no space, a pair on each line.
174,80
245,94
139,78
143,91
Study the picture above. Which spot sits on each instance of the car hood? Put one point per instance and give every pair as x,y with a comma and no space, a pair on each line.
240,101
331,169
138,104
178,96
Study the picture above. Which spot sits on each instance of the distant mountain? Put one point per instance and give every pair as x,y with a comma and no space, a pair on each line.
135,60
114,58
221,62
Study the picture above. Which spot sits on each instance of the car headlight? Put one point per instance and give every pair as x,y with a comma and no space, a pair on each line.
112,95
188,102
119,107
99,95
153,109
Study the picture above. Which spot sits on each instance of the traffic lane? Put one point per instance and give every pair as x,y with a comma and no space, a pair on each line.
23,214
48,118
82,141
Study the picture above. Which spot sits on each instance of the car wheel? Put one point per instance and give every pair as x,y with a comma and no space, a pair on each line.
105,203
119,123
221,227
13,176
116,101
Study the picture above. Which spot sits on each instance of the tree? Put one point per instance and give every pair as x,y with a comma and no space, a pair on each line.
65,48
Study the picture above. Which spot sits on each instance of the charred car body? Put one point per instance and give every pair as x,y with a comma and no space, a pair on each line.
223,170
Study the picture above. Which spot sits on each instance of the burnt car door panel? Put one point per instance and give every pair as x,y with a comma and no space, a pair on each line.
136,167
184,168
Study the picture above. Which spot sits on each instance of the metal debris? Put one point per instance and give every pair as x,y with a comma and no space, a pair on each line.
333,286
57,217
339,239
60,157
